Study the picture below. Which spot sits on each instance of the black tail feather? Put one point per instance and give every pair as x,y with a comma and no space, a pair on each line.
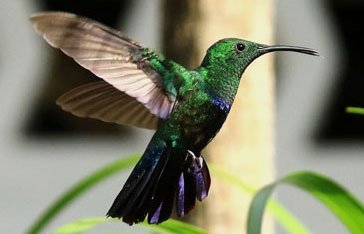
162,176
143,205
165,190
131,195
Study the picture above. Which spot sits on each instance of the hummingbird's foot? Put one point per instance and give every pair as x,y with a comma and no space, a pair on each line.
196,162
198,174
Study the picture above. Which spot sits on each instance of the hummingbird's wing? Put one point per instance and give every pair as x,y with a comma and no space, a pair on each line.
119,61
103,101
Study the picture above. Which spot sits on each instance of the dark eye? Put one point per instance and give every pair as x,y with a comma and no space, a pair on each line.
240,47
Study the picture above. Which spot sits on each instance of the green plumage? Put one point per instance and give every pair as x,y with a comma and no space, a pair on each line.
145,89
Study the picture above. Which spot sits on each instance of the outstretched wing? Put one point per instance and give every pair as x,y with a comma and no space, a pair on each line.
119,61
100,100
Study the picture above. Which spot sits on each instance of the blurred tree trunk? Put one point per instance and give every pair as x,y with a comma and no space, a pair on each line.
244,146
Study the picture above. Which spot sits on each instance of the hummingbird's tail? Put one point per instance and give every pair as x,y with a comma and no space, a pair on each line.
162,176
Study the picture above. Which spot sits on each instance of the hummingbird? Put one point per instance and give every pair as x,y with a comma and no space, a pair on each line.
142,88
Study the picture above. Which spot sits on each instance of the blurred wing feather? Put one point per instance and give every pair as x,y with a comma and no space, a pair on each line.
102,101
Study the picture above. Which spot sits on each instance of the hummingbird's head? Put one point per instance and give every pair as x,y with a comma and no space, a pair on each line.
233,55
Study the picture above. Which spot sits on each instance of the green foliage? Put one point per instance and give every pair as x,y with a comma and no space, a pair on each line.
174,227
355,110
80,226
279,212
343,204
78,189
169,227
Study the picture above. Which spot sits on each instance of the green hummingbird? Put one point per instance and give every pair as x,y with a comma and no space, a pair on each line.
142,88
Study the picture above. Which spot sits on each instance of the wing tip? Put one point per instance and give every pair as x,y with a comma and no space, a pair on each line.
45,14
37,17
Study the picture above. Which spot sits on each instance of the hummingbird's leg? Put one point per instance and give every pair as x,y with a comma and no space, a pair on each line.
196,162
197,168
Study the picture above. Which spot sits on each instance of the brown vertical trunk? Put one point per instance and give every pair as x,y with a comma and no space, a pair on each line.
244,146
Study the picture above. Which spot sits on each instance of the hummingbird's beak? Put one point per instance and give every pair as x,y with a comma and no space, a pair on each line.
263,49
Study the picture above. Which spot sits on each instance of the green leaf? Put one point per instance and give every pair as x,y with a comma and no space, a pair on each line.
341,203
355,110
283,216
174,227
169,227
80,226
78,189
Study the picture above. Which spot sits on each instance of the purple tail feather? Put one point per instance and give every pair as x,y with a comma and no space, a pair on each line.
194,182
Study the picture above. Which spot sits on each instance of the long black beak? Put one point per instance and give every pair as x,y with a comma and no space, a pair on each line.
266,49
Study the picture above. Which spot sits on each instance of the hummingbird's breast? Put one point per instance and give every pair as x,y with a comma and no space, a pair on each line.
197,118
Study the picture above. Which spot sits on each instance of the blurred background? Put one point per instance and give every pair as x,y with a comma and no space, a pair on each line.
44,150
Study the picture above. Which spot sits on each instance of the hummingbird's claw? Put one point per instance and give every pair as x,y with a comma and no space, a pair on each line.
199,162
196,162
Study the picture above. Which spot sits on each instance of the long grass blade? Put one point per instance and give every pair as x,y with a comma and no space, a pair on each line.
348,209
283,216
355,110
169,227
78,189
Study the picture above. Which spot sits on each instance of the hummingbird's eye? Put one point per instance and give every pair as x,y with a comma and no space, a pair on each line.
240,47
